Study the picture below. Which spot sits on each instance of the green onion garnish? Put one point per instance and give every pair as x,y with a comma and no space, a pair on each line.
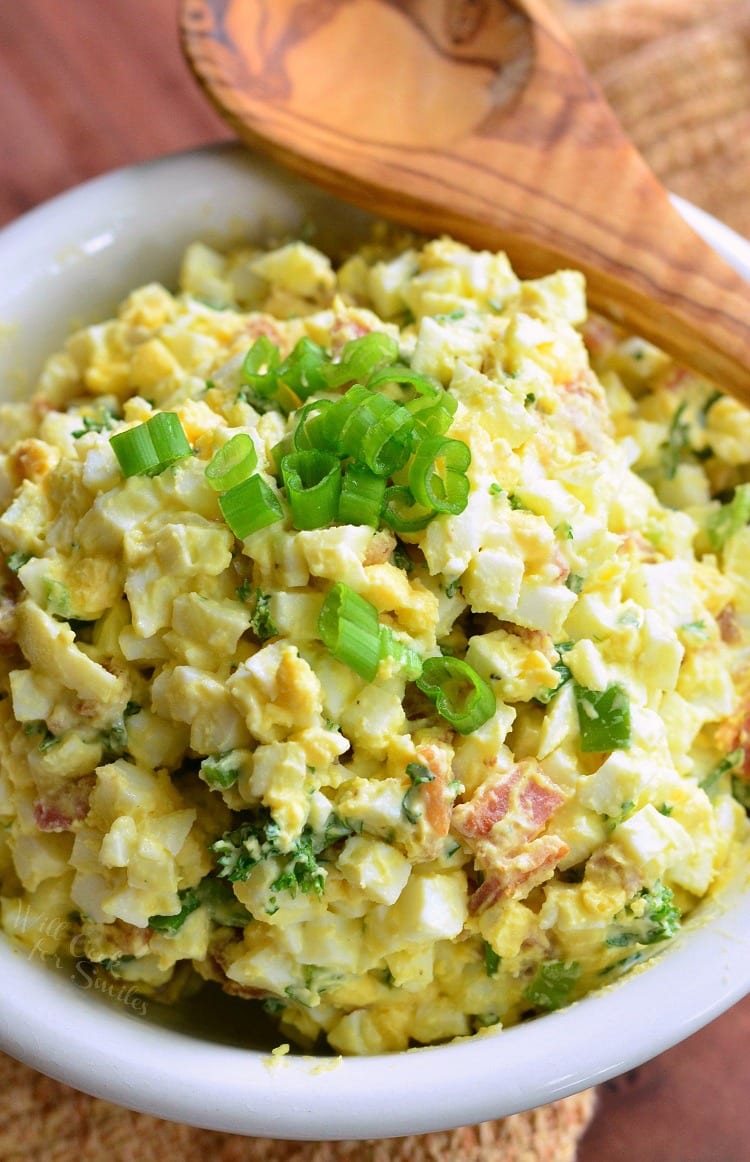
250,506
401,376
376,431
603,718
313,484
360,358
233,463
464,699
437,474
259,367
150,448
303,370
361,499
349,627
312,426
402,513
432,415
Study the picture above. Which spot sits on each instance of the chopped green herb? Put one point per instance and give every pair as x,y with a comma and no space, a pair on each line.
654,920
104,421
169,925
529,400
115,739
613,821
496,489
261,623
678,439
452,588
451,317
730,763
244,591
574,582
730,518
741,791
56,598
491,960
564,531
220,771
712,399
418,774
553,983
515,502
401,559
223,906
603,718
17,561
666,809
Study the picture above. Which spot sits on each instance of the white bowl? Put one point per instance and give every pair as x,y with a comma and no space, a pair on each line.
69,262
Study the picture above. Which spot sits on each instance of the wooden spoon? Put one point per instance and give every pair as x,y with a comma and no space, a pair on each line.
475,118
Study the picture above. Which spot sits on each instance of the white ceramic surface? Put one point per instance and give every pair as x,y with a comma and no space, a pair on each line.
68,262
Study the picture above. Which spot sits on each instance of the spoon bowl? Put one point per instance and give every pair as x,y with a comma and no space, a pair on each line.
475,118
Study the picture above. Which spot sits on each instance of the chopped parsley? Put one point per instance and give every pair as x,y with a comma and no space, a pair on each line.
730,518
730,763
401,559
603,718
654,918
17,560
418,774
678,439
220,771
261,623
574,582
491,960
553,984
103,421
239,851
169,925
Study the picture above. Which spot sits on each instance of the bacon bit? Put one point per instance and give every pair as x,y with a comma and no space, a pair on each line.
434,796
267,326
517,876
68,806
32,460
344,328
525,795
729,627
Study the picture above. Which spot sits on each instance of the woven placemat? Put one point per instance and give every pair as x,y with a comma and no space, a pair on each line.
677,73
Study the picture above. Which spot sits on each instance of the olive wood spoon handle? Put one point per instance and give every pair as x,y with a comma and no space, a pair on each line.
476,118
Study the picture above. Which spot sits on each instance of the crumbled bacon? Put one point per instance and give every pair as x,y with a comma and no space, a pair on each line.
67,806
525,797
502,823
729,627
435,797
516,876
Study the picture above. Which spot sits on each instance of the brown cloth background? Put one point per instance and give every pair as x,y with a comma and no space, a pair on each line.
87,86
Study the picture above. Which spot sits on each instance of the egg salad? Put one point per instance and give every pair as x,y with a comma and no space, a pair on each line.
373,643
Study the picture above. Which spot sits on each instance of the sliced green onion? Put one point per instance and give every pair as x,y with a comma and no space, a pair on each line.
259,367
405,658
312,430
349,627
360,358
221,771
433,415
303,370
603,718
401,376
313,484
464,699
377,432
361,499
250,506
149,448
233,463
447,491
402,513
284,448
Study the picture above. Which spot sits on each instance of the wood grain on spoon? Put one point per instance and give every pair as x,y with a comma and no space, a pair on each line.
475,118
